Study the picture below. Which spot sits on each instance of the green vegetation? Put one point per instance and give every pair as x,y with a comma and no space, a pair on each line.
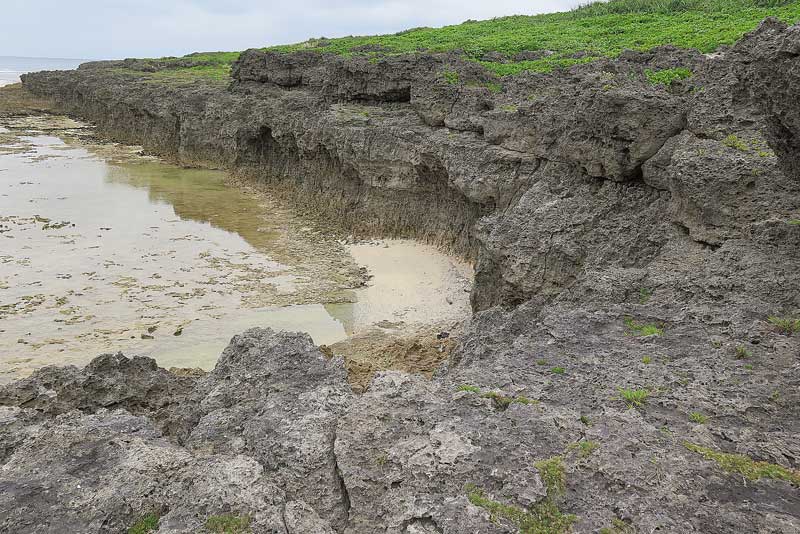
794,222
733,141
500,400
148,523
746,466
189,74
553,475
591,32
558,370
451,77
647,360
785,325
228,524
643,329
586,421
697,417
633,397
584,34
667,77
618,526
491,86
521,399
586,447
644,295
542,518
742,353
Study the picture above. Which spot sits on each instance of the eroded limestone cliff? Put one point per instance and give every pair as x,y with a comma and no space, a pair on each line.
631,364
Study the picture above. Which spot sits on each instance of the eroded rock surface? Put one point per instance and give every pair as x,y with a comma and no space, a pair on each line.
636,289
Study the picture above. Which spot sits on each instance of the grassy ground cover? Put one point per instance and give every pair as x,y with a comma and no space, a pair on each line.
590,32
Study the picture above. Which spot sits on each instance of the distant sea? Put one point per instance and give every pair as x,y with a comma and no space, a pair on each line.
12,67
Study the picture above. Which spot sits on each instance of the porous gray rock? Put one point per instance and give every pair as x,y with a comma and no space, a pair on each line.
626,236
253,438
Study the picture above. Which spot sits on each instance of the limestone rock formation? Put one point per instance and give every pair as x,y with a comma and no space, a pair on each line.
632,363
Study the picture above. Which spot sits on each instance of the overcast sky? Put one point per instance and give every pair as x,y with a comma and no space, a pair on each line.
95,29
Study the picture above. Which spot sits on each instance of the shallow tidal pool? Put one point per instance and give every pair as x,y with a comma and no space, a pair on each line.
105,250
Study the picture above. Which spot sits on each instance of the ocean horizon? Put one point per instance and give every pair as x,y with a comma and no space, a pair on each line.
12,67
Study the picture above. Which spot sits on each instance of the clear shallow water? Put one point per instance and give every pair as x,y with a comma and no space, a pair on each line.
103,250
12,67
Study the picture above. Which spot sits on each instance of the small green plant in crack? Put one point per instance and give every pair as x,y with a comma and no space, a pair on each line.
541,518
642,329
742,353
585,447
667,77
732,141
381,459
502,401
493,87
228,524
785,325
585,420
521,399
746,466
647,360
634,398
794,222
499,399
618,526
697,417
451,77
553,475
644,295
510,108
558,370
541,362
145,525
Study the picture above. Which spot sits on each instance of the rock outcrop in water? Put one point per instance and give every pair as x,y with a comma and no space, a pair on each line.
631,364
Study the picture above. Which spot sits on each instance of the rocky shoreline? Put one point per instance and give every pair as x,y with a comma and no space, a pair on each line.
632,364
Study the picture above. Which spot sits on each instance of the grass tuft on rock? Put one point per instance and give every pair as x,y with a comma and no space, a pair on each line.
667,77
746,466
553,475
145,525
785,325
642,329
634,398
542,518
228,524
501,400
697,417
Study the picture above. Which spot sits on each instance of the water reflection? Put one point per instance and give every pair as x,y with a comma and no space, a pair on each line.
103,250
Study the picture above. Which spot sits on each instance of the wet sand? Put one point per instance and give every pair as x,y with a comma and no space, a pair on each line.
102,249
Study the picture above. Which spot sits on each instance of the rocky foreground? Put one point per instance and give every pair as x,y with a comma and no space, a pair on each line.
634,361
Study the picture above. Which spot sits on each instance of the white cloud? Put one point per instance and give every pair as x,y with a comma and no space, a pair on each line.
139,28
